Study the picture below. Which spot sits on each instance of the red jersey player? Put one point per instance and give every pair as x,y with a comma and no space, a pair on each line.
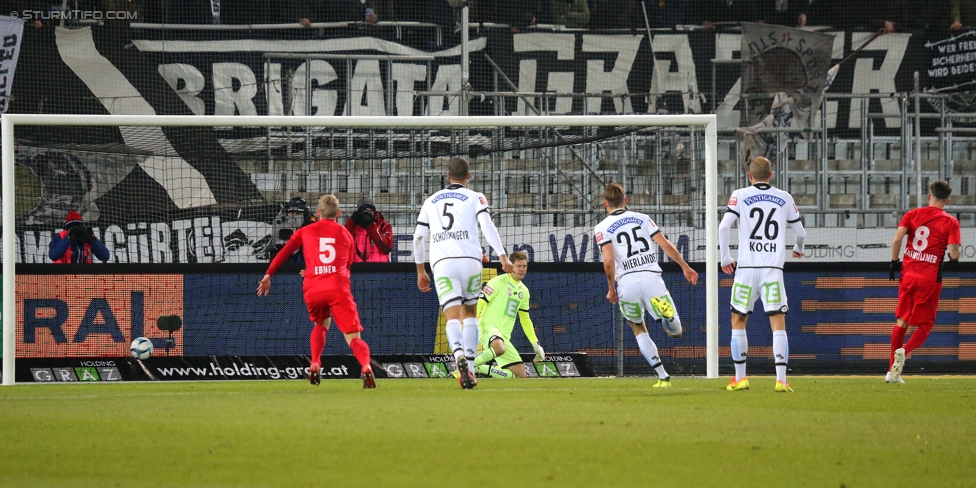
328,251
930,231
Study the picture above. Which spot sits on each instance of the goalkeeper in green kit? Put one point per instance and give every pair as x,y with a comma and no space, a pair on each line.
502,298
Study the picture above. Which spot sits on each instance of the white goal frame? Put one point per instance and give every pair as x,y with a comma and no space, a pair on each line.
11,121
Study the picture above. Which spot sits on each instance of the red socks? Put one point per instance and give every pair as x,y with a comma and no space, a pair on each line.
359,347
917,339
361,350
897,341
317,340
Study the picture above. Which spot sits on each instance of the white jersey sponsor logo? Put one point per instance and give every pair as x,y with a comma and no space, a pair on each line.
764,213
630,235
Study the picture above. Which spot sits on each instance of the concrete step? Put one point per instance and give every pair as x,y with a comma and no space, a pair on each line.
843,201
883,201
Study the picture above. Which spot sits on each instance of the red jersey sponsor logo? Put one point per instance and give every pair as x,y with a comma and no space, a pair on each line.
487,290
483,200
733,201
599,236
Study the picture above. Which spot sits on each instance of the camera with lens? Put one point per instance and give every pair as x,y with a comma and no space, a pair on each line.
363,217
293,215
81,233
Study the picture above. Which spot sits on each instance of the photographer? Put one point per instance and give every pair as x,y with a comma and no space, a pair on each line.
76,243
371,233
294,215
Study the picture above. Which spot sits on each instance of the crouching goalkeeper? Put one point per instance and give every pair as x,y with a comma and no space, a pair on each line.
501,299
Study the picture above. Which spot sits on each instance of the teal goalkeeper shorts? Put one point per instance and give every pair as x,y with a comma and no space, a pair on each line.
511,355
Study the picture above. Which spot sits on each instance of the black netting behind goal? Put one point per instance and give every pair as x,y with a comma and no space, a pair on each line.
218,196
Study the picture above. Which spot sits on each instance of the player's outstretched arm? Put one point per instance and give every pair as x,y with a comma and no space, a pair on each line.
724,232
529,329
895,266
900,234
423,281
954,251
420,256
610,271
668,248
289,248
419,253
494,240
264,286
955,242
506,264
800,235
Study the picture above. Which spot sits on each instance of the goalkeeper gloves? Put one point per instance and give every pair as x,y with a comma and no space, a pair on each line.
893,268
540,354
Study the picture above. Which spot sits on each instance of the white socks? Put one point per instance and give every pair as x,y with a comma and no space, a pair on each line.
649,350
470,341
740,350
781,354
454,341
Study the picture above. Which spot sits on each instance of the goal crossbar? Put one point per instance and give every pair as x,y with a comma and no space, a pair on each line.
10,121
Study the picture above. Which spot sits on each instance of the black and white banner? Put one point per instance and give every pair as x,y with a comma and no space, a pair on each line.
11,33
180,195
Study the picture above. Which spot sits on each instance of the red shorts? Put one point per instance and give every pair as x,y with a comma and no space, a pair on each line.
918,301
337,304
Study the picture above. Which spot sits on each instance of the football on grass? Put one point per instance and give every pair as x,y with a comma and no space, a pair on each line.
141,348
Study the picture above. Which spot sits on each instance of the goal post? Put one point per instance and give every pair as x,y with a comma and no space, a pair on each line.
10,122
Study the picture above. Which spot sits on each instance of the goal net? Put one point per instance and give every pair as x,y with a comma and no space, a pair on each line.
189,208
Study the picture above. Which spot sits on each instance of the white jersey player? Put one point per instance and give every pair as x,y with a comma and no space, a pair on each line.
763,212
633,274
451,218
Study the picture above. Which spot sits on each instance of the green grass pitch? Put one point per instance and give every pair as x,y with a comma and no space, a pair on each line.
832,432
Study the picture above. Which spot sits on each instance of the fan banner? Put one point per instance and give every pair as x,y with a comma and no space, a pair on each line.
11,33
951,68
226,72
951,61
215,211
787,69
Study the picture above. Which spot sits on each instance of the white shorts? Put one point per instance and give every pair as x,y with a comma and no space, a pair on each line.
634,297
457,281
753,283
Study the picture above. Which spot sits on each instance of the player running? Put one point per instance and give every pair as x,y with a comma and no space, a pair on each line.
501,298
930,231
763,212
634,276
327,248
451,217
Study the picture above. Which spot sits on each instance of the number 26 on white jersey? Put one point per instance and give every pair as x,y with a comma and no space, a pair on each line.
327,252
